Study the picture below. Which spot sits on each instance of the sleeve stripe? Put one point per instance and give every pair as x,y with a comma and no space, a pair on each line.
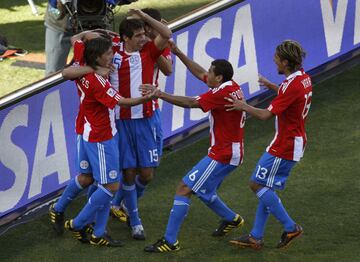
101,80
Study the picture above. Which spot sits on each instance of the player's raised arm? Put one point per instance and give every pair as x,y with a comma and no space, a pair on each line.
165,65
73,72
165,33
196,69
241,105
265,82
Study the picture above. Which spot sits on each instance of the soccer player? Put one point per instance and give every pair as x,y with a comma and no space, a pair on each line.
99,140
134,59
290,108
224,155
163,64
84,179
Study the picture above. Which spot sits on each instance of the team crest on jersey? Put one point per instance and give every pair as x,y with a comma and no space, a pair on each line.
113,174
111,92
134,60
84,164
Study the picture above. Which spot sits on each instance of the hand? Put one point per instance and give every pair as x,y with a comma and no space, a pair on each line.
236,104
90,35
146,89
263,81
173,47
136,13
155,94
105,32
103,71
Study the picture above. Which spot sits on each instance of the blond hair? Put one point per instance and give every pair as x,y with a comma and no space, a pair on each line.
292,52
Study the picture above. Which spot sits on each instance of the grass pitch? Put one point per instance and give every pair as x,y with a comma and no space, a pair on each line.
321,195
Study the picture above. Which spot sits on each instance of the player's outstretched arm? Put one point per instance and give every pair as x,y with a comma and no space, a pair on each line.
163,30
73,72
196,69
149,93
241,105
182,101
265,82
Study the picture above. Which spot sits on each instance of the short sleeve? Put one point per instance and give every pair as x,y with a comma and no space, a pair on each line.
104,93
154,52
79,48
287,95
212,99
167,53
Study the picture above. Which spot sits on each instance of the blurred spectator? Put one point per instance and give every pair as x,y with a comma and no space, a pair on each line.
58,32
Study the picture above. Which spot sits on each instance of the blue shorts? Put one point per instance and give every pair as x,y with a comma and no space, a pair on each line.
156,120
104,160
82,161
137,143
272,171
206,176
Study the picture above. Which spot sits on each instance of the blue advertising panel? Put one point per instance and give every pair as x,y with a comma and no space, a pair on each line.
37,136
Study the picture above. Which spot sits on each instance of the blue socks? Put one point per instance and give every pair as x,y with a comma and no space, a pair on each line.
98,200
92,188
119,196
70,192
130,200
177,215
273,202
219,207
102,216
262,214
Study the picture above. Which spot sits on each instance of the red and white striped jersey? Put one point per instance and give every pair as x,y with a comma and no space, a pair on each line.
291,107
167,54
133,69
226,127
98,100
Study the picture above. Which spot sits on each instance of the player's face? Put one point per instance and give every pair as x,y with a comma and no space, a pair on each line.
281,64
105,59
211,80
137,41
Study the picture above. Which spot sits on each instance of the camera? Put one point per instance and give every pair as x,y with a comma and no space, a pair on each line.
92,14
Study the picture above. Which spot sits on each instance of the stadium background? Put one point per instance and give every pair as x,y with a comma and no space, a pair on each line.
321,193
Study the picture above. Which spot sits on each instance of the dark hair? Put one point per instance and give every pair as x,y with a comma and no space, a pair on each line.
94,48
224,68
152,12
292,52
128,26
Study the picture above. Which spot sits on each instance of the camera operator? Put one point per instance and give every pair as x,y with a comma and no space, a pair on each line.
61,22
57,36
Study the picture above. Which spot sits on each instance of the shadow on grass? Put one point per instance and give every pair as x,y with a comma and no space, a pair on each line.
29,35
10,4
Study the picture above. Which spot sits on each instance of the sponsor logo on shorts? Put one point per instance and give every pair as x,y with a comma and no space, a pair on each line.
84,164
113,174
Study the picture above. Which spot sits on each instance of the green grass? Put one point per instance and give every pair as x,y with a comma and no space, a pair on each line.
321,195
24,30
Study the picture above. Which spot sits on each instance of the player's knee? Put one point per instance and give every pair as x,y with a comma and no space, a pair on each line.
129,176
112,187
146,175
85,180
254,186
183,190
146,179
